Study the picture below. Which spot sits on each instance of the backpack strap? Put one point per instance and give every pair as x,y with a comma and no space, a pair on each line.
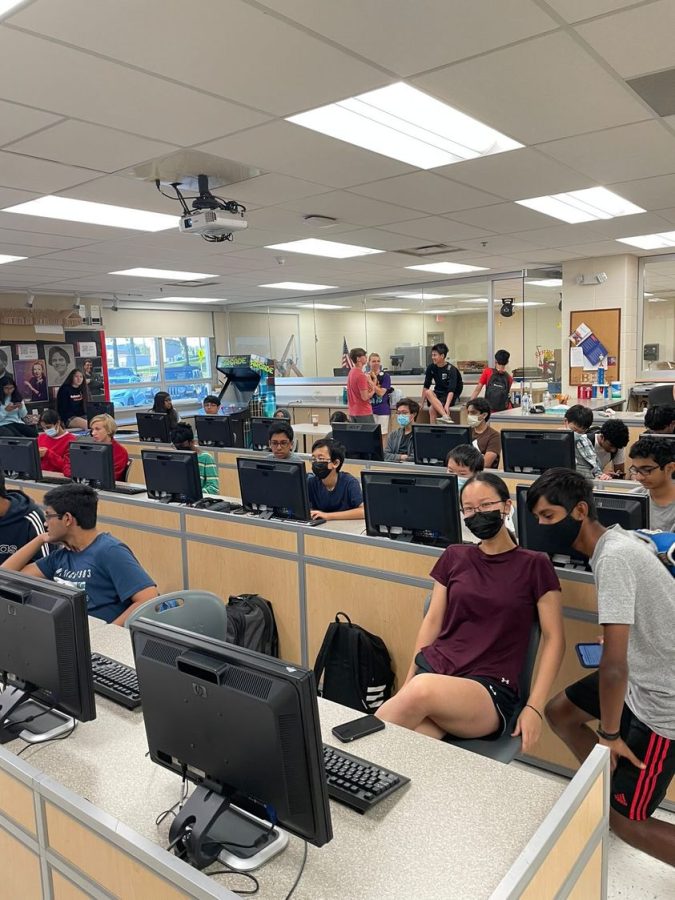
328,640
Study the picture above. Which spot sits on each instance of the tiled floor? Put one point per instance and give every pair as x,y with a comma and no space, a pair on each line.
633,875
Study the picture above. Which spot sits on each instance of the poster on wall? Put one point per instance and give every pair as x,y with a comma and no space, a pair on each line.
87,349
60,360
93,374
26,351
31,379
6,364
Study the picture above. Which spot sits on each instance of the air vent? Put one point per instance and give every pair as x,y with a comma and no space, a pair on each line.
316,221
657,90
248,683
431,250
161,652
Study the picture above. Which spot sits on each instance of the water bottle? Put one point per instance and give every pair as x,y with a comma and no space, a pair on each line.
525,403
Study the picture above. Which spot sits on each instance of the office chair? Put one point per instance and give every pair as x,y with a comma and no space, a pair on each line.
661,395
127,469
198,611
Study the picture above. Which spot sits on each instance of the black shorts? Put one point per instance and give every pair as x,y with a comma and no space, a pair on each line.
635,793
503,697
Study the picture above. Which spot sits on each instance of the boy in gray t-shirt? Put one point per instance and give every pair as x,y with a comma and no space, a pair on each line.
636,677
653,465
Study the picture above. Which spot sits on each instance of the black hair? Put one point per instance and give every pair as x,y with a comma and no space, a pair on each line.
68,381
616,432
80,500
563,487
53,350
281,427
412,405
659,449
502,357
579,415
355,352
15,396
494,481
336,450
338,416
466,455
210,398
440,348
50,417
3,491
158,402
282,413
659,418
182,434
481,406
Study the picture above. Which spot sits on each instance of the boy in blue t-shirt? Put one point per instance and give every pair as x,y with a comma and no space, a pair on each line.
332,494
97,563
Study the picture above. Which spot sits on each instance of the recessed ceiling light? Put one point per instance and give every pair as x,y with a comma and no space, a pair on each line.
660,300
477,300
8,259
582,206
8,5
650,241
386,309
186,300
167,274
547,282
299,286
421,296
317,247
67,210
404,123
435,312
447,268
320,306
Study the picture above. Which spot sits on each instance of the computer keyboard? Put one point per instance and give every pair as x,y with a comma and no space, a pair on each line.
217,505
115,681
121,487
356,782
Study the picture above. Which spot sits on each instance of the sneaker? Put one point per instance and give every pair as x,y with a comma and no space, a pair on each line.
446,419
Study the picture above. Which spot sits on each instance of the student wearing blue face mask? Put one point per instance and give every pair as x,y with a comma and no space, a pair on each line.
54,443
399,446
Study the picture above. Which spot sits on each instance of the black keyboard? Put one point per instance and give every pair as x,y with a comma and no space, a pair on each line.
121,487
217,505
115,681
357,782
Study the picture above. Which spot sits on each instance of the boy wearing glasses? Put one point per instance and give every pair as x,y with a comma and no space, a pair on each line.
653,466
281,440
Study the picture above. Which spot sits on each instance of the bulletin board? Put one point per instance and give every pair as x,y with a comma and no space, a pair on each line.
606,326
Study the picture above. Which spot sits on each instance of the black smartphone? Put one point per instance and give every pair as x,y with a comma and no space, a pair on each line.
357,728
589,655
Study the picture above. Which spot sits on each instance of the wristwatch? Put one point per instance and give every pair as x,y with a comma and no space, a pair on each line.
606,736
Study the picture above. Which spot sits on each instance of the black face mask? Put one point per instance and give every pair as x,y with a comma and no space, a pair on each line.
559,537
320,469
485,525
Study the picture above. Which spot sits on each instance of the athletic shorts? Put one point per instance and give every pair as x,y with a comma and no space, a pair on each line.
503,697
635,793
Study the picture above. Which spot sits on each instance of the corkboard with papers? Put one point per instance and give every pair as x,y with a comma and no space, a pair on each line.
605,325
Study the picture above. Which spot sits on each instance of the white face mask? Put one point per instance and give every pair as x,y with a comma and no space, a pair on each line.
473,421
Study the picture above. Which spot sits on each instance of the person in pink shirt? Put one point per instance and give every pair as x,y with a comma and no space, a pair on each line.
360,388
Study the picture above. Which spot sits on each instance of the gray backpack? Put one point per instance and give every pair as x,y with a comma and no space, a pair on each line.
251,624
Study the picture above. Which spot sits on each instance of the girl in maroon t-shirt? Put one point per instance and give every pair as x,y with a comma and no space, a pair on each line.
472,643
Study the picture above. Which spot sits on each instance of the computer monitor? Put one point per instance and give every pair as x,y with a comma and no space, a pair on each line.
45,658
361,440
536,451
37,407
260,426
20,458
630,511
214,431
92,464
99,408
432,443
153,427
341,372
244,727
422,509
172,476
273,487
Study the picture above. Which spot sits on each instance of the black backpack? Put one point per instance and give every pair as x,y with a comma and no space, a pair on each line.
355,665
251,624
497,391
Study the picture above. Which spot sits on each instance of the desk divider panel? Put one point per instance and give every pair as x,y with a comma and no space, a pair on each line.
22,877
17,802
64,889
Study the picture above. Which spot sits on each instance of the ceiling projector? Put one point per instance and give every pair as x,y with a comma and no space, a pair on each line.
212,223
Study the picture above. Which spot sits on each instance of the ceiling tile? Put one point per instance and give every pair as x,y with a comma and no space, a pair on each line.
649,193
536,91
122,191
17,121
35,239
503,218
353,208
560,235
38,175
270,189
575,10
437,229
425,192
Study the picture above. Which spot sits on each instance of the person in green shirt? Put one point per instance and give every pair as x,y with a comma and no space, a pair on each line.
183,438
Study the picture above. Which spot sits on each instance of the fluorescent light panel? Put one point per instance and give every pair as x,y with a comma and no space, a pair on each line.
387,309
299,286
582,206
320,306
650,241
167,274
404,123
447,268
317,247
546,282
8,5
4,258
184,300
67,210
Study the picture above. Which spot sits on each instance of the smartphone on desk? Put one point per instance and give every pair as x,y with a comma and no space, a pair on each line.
589,655
357,728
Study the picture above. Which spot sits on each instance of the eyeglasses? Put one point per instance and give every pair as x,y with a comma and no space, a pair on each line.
645,471
485,506
280,443
52,516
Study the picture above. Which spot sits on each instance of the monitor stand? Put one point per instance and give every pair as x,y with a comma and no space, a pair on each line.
47,724
208,821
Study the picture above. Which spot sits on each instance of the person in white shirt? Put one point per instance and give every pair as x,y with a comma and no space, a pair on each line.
609,447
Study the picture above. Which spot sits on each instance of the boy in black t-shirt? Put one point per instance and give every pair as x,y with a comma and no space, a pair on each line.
448,385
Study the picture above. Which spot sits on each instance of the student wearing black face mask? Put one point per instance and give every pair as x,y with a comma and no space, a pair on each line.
472,643
333,494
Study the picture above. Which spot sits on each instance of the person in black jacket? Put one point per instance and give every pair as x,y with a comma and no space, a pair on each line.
71,400
448,385
20,521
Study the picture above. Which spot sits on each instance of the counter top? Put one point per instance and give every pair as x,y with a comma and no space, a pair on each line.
508,415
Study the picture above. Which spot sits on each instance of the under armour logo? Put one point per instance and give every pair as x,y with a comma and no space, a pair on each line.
505,681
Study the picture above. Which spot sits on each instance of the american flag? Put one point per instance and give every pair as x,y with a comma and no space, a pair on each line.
346,359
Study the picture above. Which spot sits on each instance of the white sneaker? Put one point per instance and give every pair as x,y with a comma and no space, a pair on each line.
446,419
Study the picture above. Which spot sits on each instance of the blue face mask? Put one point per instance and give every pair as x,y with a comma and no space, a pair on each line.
403,420
461,481
50,432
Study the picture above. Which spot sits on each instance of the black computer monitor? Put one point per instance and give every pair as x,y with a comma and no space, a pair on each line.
361,440
241,725
342,372
536,451
37,407
214,431
260,426
423,509
20,458
92,464
274,488
45,658
99,408
432,443
153,427
172,476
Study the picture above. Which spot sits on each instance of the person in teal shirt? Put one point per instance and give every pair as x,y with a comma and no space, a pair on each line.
13,410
